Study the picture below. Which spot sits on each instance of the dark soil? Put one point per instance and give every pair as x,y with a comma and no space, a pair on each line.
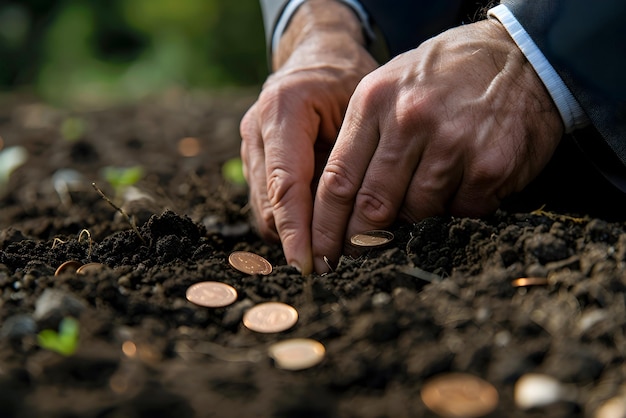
387,325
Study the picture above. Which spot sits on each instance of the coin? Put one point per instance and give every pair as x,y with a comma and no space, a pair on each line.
375,238
211,294
297,353
270,317
68,266
249,263
459,395
529,281
90,268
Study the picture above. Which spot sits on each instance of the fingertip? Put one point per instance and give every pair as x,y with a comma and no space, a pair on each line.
301,260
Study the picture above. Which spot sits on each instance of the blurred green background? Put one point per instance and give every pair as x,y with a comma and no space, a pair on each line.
73,51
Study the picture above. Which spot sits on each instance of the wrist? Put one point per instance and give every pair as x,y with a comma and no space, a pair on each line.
318,20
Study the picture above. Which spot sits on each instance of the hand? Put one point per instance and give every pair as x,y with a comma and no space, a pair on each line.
453,127
288,133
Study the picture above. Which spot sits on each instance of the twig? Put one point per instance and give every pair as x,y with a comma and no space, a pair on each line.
120,210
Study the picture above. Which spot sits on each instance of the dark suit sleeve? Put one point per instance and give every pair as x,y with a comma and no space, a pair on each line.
402,24
586,44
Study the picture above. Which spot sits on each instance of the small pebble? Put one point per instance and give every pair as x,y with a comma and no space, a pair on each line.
535,390
18,326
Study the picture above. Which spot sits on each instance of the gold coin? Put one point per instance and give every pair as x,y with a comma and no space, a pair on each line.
375,238
211,294
270,317
297,353
249,263
459,395
90,268
529,281
68,266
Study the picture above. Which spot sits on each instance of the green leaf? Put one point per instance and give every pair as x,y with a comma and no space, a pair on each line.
120,177
65,341
232,171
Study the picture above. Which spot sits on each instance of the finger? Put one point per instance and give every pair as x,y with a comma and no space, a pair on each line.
386,181
339,184
288,136
478,193
253,158
435,181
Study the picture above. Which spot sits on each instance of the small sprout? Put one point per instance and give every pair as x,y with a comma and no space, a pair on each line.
232,171
120,178
57,240
67,180
73,129
65,341
10,159
88,234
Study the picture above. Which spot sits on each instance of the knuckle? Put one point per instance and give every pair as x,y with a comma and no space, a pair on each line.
337,185
279,183
486,175
371,90
374,208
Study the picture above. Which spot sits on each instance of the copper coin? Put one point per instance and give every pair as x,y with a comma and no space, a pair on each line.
90,268
270,317
211,294
249,263
375,238
459,395
529,281
68,266
297,353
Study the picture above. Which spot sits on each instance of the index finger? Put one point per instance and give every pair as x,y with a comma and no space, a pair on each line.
339,184
288,139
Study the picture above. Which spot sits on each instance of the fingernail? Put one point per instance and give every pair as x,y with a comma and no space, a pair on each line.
296,265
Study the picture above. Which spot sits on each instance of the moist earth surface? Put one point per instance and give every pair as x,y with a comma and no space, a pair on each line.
438,299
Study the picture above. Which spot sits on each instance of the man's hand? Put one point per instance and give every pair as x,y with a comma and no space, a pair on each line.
453,126
288,133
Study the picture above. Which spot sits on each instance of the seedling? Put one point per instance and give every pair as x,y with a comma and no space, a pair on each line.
80,237
65,341
232,171
122,177
73,128
10,159
67,180
88,234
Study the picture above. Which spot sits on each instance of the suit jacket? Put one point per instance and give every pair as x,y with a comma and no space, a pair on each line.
584,42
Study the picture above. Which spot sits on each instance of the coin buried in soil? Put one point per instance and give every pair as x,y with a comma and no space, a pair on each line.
529,281
297,353
90,268
249,263
211,294
375,238
270,317
68,266
459,395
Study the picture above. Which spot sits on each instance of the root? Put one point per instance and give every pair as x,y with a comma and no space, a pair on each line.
556,216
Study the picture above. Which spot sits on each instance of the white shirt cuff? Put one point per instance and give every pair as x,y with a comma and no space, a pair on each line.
571,112
293,5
